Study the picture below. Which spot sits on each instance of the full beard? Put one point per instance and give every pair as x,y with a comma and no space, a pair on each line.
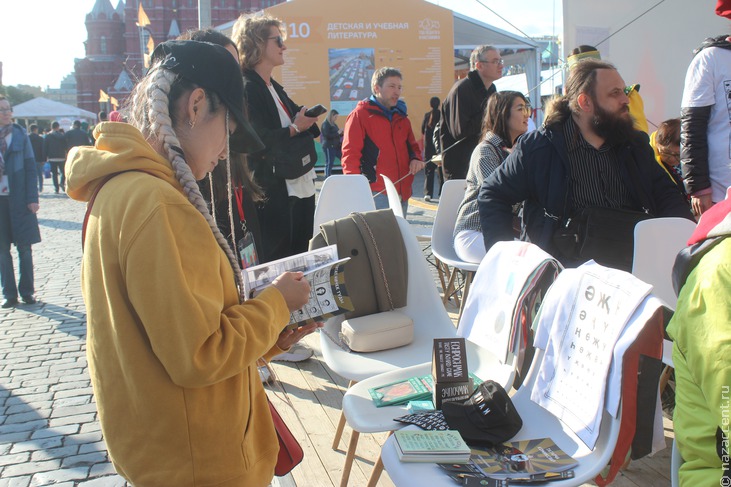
614,128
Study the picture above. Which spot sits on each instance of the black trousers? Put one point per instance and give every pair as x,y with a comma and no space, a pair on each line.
285,222
429,169
55,167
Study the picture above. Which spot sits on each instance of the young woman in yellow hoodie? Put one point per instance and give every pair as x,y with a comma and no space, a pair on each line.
171,345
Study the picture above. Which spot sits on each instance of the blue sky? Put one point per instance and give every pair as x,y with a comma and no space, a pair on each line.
44,36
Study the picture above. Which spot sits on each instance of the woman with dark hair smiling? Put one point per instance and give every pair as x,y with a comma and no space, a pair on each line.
506,118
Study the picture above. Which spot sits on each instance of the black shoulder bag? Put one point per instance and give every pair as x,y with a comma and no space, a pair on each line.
606,235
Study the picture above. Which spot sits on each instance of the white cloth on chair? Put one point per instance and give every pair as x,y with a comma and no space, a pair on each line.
508,270
584,329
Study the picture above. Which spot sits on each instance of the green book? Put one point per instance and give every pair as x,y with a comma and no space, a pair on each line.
411,389
431,446
401,392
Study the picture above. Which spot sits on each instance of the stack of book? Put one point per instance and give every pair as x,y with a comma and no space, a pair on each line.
431,447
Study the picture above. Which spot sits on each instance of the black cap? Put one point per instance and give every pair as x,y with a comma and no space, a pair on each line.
488,416
212,67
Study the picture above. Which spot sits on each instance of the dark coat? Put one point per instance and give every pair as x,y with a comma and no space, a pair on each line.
331,134
54,145
77,137
36,141
20,166
264,117
461,123
428,133
537,172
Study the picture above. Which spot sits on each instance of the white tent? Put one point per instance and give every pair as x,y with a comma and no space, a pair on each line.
650,42
45,109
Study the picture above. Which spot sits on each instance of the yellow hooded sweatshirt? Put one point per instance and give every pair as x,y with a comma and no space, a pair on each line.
172,354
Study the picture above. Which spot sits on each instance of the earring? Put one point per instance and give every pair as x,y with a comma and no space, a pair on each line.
191,123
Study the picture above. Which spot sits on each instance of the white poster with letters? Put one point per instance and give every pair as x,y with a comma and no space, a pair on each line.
578,329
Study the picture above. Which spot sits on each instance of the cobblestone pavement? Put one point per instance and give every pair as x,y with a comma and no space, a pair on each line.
49,432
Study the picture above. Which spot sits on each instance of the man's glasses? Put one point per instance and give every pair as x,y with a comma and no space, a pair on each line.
499,62
6,110
280,41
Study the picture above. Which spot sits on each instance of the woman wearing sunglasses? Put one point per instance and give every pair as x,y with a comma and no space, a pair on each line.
287,215
506,118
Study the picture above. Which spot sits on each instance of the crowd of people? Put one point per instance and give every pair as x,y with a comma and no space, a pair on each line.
200,182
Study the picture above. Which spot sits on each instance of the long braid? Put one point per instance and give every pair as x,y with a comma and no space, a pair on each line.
161,125
229,195
213,201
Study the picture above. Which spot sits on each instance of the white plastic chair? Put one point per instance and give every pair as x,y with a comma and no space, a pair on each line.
486,361
443,241
394,202
657,243
430,321
342,194
537,423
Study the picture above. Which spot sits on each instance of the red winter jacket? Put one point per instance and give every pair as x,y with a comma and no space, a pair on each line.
374,145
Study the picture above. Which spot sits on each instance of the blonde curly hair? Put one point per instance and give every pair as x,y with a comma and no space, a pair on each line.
250,33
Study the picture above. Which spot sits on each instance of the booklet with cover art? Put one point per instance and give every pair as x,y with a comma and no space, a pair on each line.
522,459
323,270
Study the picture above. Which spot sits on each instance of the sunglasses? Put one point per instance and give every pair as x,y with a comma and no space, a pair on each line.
280,41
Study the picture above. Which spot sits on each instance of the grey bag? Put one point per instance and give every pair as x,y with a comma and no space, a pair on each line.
377,274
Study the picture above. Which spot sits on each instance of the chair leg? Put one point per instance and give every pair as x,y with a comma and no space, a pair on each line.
376,472
665,377
465,290
339,431
444,276
349,457
377,469
454,286
341,423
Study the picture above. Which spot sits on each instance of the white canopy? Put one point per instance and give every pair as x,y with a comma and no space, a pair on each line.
45,109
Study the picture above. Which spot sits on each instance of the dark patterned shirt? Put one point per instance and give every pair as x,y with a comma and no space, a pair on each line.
596,180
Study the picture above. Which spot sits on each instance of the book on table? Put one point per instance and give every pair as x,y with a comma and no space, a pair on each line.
431,446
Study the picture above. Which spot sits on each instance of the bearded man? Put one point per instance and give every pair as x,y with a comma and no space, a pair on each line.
587,155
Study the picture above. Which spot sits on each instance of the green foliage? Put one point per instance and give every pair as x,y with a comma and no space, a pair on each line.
15,95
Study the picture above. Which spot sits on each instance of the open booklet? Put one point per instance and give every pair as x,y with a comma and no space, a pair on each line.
322,269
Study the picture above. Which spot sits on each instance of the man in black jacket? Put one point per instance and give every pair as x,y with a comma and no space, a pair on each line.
463,110
54,145
36,142
586,156
76,136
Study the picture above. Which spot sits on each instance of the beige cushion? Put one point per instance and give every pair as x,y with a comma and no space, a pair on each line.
380,331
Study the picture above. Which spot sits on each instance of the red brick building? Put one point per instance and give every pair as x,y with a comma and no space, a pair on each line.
115,44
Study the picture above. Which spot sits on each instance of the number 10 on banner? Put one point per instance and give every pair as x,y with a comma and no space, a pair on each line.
298,30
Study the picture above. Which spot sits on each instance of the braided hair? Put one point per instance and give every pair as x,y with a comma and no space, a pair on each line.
151,112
